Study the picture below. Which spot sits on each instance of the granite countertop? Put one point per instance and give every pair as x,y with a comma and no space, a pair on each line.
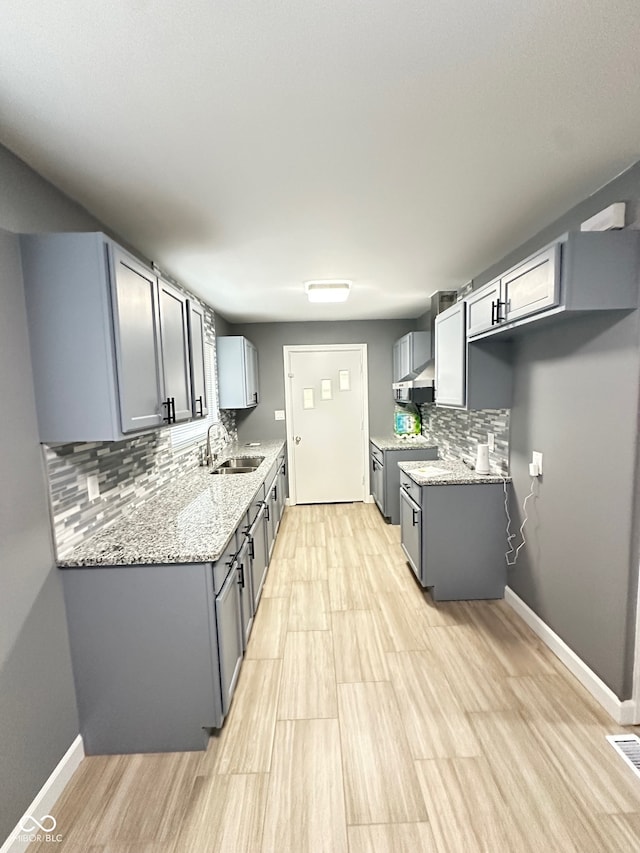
455,473
394,442
190,521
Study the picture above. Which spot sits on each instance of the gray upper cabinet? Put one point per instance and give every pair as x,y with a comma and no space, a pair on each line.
410,352
174,335
137,341
237,373
470,374
450,354
94,330
197,355
109,342
579,272
481,308
532,286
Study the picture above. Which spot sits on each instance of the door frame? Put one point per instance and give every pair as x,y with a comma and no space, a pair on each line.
288,407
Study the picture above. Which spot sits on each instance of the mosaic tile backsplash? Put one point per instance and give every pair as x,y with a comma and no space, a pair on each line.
458,433
128,471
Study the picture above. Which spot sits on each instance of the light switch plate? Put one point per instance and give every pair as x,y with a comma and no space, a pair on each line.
536,458
93,488
279,414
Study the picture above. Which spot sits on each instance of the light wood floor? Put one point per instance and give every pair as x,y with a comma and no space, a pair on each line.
369,720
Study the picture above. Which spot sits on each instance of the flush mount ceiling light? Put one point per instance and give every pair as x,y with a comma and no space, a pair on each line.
327,291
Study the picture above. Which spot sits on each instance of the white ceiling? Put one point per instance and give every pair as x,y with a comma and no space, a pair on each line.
247,146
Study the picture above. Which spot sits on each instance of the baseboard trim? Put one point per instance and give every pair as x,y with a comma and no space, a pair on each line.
46,798
623,711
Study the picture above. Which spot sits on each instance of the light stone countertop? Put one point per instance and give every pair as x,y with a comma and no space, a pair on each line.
394,442
190,521
457,474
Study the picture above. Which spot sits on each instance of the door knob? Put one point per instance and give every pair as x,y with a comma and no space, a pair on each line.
298,439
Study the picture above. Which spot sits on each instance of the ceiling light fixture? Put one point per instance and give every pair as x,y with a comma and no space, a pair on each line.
328,290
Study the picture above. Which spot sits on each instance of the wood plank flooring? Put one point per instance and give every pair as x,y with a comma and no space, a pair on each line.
367,719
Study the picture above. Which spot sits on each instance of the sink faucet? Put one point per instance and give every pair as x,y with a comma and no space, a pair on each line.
210,457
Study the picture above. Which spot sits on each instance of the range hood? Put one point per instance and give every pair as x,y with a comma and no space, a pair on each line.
418,385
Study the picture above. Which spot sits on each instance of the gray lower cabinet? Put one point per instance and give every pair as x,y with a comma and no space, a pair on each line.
384,475
145,650
411,524
271,509
157,650
242,567
258,553
229,635
282,487
454,538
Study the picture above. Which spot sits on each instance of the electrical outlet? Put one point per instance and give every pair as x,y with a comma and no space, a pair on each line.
491,441
93,488
279,414
536,459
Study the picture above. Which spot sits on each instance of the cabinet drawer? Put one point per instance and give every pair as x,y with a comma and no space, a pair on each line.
377,454
223,564
410,486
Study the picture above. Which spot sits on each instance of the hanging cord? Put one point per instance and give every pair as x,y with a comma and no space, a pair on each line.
510,535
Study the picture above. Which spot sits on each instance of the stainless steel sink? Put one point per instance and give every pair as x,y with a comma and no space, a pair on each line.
241,465
242,462
234,470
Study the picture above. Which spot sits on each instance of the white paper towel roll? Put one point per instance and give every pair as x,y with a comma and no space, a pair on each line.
482,459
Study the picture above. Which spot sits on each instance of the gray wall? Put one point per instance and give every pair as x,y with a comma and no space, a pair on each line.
576,400
38,717
269,338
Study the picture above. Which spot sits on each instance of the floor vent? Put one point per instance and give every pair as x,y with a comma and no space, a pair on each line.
629,748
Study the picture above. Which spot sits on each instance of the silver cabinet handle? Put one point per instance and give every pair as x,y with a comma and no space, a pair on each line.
298,439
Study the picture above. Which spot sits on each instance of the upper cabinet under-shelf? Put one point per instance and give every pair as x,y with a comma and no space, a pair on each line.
110,344
580,272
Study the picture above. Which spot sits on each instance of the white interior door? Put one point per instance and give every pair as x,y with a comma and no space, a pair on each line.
327,413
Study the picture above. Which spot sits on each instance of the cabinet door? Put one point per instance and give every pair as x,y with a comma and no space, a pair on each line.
271,530
197,354
174,334
451,347
532,286
377,483
411,532
251,373
482,308
282,488
259,559
229,637
396,365
137,338
274,506
243,572
405,356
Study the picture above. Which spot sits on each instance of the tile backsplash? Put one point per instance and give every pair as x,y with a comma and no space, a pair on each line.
458,432
128,472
